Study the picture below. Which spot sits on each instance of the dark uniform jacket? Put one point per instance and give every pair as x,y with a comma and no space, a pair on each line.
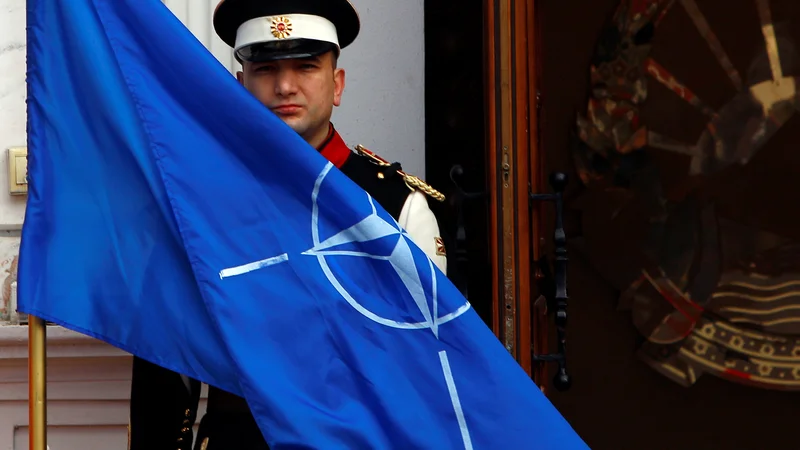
163,406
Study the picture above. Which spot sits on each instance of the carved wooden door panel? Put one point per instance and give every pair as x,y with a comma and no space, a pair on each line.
677,122
687,151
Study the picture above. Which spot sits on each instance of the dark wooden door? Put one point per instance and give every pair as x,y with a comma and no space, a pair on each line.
509,149
638,384
522,203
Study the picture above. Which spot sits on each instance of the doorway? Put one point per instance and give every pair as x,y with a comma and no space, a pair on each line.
455,140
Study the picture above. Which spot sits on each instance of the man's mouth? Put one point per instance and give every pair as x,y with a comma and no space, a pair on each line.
286,109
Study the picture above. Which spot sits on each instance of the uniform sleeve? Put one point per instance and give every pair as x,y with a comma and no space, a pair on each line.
419,221
163,408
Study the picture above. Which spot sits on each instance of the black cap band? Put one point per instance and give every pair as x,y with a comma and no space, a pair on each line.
276,50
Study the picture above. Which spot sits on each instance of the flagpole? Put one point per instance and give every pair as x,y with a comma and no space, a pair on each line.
37,383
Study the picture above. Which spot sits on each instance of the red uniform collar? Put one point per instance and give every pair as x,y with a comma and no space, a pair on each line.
334,149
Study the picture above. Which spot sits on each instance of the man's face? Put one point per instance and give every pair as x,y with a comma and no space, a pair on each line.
302,92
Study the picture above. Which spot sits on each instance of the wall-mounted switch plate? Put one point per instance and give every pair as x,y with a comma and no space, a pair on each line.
18,170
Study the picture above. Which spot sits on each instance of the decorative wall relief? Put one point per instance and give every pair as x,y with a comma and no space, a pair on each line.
693,218
9,256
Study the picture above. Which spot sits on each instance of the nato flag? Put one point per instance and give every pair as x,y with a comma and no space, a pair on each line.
173,216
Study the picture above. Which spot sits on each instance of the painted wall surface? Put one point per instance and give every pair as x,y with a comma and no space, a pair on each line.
12,100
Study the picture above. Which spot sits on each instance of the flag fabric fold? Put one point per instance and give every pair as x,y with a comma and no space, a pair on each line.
171,215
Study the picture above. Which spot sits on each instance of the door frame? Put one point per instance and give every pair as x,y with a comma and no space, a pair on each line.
514,170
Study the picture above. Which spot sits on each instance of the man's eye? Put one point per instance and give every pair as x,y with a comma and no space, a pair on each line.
308,66
265,69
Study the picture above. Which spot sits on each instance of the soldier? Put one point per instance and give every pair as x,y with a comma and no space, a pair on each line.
288,50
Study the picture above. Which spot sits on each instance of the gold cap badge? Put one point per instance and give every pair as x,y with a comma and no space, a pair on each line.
281,27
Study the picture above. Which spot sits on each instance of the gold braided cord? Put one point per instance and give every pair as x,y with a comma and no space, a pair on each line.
411,181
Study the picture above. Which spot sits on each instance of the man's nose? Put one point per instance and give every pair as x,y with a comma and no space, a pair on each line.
286,83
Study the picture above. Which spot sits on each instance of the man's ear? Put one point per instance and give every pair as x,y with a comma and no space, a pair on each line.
338,86
240,77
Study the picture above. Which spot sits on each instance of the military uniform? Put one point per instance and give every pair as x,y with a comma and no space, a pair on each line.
163,403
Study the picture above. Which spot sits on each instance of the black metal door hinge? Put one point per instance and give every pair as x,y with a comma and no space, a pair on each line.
554,283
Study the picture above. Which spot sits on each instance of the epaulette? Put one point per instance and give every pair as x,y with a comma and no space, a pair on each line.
411,181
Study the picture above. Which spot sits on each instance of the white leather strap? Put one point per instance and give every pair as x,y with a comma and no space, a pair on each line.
419,221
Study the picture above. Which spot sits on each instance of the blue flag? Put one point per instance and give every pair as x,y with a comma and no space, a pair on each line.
172,215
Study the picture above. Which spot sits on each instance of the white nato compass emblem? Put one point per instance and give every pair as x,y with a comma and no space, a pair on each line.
372,228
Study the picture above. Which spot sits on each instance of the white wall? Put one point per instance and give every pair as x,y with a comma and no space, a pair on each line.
12,100
383,106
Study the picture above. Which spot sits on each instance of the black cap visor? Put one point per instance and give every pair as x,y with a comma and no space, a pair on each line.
286,49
